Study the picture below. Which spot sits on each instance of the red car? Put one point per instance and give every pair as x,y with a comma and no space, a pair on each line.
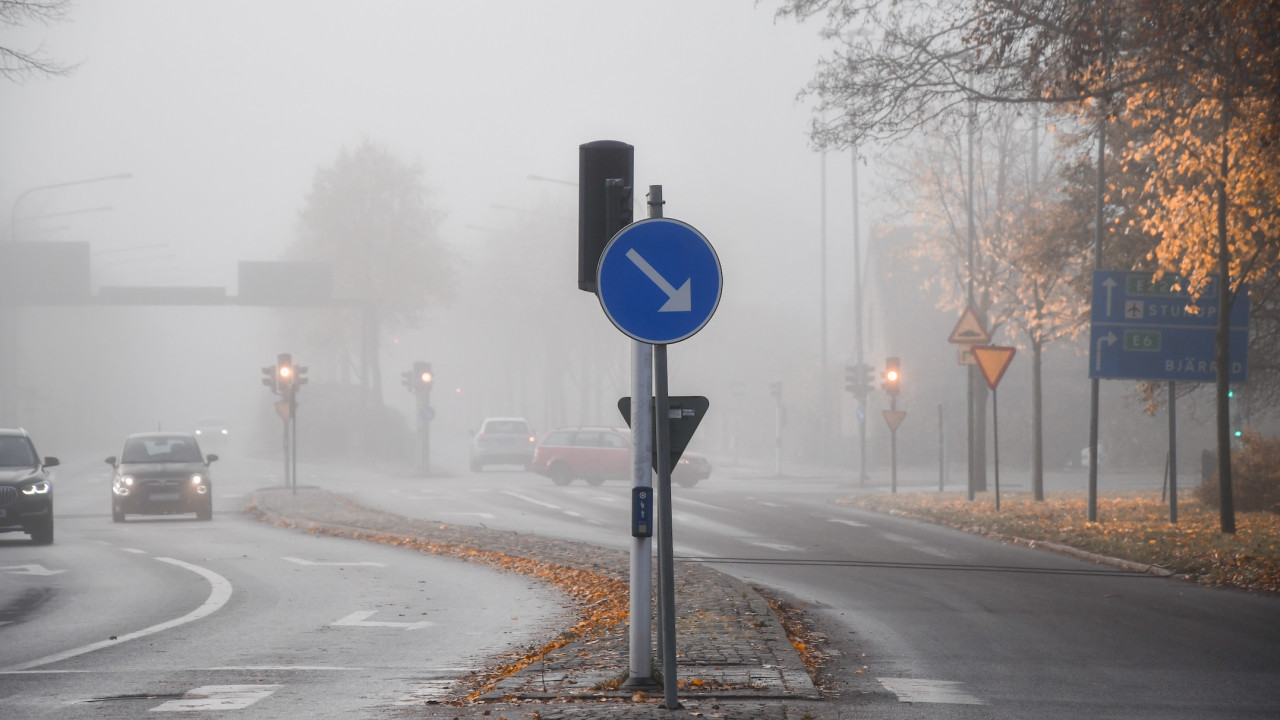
596,454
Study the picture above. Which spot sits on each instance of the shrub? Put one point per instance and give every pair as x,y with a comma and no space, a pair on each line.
1255,476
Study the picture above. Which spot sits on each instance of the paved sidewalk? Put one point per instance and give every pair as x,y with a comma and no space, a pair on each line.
734,659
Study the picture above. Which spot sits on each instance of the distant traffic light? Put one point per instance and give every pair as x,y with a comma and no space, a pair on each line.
299,375
419,380
775,389
269,378
892,376
858,379
284,373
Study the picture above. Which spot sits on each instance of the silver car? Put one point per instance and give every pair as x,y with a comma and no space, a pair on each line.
503,441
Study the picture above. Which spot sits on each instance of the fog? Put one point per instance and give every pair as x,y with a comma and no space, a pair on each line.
221,112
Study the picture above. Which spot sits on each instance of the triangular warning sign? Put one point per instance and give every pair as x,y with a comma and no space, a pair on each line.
968,330
684,412
894,418
993,360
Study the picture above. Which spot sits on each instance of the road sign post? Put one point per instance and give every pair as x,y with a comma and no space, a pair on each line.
993,360
659,282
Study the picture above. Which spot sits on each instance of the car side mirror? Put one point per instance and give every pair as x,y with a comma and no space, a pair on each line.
211,458
50,461
111,461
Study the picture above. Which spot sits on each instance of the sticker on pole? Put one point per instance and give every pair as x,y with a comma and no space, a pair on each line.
659,281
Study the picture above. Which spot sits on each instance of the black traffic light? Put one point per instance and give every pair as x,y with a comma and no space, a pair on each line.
892,376
299,376
284,374
605,169
858,379
269,378
419,379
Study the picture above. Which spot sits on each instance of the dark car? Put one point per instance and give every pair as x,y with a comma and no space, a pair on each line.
161,474
502,441
26,488
596,454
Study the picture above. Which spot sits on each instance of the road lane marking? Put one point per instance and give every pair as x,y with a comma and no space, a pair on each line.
30,570
850,523
300,561
361,619
528,499
219,594
481,515
914,690
218,697
135,551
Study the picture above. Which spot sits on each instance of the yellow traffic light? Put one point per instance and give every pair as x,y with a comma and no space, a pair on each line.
426,377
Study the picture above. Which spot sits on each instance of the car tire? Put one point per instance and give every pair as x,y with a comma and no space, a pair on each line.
42,533
687,482
205,512
560,473
595,481
117,515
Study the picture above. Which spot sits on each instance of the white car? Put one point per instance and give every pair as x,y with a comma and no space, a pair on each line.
503,441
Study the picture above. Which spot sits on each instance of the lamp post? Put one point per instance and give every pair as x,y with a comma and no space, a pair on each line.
13,212
8,313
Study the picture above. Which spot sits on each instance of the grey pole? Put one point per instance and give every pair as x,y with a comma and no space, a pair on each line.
857,324
666,559
1173,452
640,632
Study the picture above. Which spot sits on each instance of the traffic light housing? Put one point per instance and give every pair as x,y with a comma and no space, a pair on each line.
858,378
892,376
419,380
604,206
284,373
775,389
269,378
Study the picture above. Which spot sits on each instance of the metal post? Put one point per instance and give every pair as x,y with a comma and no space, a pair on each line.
942,450
293,446
1173,452
857,324
1092,513
893,449
822,290
640,631
666,551
995,442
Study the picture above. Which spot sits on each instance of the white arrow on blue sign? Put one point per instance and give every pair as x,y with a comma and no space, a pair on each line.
659,281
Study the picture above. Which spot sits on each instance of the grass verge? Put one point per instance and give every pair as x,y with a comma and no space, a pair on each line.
1132,527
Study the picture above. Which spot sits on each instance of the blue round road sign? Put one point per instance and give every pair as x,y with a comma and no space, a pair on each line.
659,280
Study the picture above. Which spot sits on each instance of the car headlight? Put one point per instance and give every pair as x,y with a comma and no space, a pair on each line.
126,480
40,488
197,479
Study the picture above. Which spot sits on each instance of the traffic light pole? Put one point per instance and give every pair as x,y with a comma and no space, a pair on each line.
293,446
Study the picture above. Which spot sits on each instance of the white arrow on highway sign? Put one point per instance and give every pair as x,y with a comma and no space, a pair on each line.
677,300
659,280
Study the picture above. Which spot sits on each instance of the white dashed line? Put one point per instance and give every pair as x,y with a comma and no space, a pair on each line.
913,690
218,697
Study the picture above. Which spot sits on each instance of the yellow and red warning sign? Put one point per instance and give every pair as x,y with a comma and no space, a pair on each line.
993,360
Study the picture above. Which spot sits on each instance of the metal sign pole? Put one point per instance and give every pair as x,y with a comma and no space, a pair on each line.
666,561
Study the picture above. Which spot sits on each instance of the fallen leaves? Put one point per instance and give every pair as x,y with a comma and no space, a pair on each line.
1131,527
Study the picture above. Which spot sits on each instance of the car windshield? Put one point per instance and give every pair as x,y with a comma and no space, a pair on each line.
16,452
515,427
160,450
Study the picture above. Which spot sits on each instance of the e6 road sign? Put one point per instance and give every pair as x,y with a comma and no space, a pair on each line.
659,280
1147,329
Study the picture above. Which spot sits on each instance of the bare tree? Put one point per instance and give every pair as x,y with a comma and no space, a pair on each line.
16,63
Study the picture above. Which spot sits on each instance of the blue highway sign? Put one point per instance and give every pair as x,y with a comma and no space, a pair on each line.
1145,329
659,281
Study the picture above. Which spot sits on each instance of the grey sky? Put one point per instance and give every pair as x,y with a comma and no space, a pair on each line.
222,111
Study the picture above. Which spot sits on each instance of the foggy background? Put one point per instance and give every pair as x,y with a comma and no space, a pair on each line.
221,112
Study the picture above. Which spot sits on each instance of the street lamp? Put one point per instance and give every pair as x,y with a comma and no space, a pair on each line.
13,212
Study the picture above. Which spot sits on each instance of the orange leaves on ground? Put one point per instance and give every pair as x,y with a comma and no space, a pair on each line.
1131,527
